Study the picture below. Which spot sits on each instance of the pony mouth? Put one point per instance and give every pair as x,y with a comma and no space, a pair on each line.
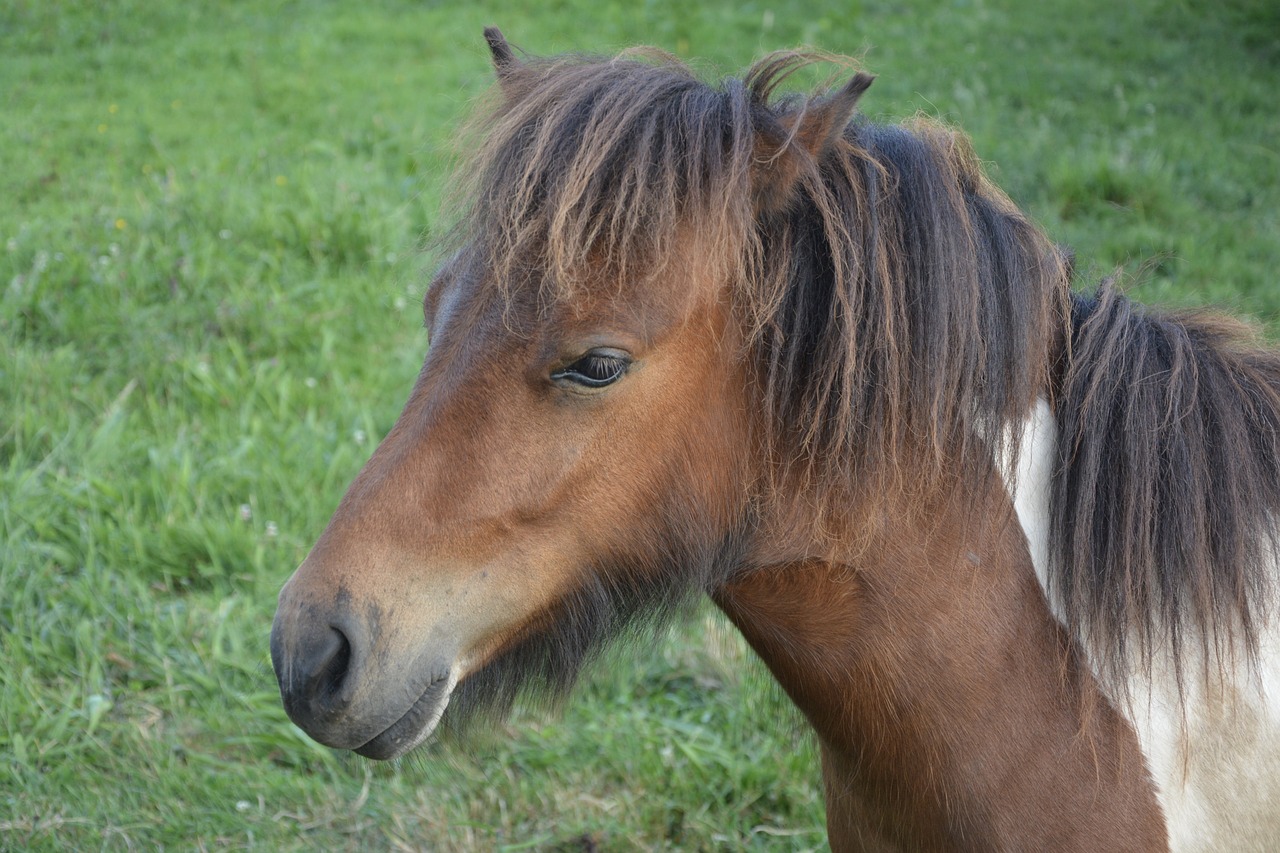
416,725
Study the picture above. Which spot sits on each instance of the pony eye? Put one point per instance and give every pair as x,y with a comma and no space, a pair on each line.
596,369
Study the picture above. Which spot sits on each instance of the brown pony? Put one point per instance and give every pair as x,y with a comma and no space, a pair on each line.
1009,549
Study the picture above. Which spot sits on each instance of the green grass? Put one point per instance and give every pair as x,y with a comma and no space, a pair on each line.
209,313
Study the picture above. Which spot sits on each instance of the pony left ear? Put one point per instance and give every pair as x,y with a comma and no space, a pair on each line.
821,122
504,58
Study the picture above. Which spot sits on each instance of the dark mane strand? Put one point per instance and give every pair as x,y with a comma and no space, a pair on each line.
589,167
1167,490
915,312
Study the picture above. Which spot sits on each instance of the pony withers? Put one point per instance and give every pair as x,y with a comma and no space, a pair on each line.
1009,549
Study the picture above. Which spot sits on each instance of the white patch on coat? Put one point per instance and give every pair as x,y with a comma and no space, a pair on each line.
1214,755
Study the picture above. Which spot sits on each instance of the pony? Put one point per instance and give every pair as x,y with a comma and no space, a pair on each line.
1009,548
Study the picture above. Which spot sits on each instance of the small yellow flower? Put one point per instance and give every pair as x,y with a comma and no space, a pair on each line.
281,180
112,109
102,128
176,104
121,225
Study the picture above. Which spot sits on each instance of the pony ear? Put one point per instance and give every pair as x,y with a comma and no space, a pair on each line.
504,59
821,122
799,140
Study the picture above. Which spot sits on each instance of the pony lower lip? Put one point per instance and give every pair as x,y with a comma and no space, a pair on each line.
416,724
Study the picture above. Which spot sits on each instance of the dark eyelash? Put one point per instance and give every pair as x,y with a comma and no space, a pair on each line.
594,370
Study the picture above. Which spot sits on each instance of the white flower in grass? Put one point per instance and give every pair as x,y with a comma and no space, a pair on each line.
272,530
246,512
359,437
97,705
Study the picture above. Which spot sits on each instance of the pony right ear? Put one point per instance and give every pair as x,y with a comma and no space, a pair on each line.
799,141
504,59
821,121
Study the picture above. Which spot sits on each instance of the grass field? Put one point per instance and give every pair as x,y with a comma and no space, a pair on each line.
210,216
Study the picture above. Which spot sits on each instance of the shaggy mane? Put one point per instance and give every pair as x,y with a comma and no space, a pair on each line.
1166,497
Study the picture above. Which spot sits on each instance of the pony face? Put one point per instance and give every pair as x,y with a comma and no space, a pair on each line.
674,342
537,492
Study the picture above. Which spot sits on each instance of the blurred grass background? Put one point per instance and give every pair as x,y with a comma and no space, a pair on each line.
210,218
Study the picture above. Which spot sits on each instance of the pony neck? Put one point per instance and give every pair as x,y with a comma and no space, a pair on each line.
952,711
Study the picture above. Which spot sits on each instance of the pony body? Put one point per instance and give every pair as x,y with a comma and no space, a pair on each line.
709,340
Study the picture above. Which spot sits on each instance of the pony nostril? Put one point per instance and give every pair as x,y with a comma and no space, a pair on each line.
330,665
318,665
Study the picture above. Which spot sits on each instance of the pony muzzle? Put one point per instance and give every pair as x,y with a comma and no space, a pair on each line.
348,693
